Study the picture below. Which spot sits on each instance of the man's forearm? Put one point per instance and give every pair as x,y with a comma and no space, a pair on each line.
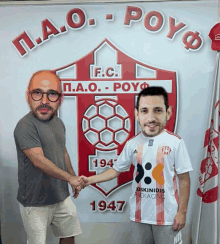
184,188
49,168
105,176
68,164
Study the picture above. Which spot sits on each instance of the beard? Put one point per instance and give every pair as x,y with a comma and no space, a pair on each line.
160,126
43,116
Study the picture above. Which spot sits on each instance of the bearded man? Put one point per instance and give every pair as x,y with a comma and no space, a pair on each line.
44,167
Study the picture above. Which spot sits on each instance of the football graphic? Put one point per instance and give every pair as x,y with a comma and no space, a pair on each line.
106,124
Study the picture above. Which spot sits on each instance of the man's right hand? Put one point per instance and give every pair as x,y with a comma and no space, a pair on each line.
104,176
86,180
77,185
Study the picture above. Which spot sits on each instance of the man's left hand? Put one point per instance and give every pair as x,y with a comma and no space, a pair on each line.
77,185
179,221
76,193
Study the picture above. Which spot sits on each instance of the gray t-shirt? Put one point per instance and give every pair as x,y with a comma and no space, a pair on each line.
35,187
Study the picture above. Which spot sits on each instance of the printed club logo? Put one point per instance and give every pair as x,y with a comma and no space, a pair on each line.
208,178
105,83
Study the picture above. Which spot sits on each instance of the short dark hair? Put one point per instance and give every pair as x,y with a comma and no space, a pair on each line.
153,91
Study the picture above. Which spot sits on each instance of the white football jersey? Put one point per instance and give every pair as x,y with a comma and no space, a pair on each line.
157,161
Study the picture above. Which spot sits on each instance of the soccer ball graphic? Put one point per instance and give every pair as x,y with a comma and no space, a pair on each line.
106,124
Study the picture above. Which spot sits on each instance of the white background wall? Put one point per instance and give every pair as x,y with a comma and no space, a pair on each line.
12,227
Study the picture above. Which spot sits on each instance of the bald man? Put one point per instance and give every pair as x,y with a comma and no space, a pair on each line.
44,167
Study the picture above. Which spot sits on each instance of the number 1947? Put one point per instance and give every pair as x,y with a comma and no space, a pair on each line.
113,206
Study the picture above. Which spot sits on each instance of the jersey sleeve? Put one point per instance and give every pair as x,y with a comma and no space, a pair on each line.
182,160
26,136
124,160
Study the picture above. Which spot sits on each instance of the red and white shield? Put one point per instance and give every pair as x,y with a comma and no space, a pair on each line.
106,83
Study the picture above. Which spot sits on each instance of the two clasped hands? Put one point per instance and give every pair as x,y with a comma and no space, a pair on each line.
78,183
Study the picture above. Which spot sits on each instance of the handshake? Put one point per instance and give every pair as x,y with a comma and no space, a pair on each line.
78,183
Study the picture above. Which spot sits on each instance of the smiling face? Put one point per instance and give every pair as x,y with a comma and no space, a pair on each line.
44,81
152,115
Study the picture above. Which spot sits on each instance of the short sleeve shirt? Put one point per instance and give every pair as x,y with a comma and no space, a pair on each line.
35,187
157,161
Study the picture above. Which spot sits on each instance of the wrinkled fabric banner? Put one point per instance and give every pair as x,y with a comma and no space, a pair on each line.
206,203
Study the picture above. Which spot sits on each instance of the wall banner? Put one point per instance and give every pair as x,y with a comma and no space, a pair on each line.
105,54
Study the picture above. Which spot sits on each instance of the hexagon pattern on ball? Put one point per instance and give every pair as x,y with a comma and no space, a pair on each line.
85,124
97,123
91,111
127,124
121,136
106,111
106,124
106,136
115,123
120,110
92,137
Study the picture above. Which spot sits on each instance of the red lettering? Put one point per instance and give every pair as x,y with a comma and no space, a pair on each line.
110,163
102,205
159,21
132,14
111,206
121,206
67,85
93,205
52,29
79,87
174,28
95,162
26,39
144,85
126,86
92,87
116,86
102,163
109,74
97,70
135,86
81,16
192,40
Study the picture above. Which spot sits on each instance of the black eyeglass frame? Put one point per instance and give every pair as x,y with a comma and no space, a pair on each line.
42,94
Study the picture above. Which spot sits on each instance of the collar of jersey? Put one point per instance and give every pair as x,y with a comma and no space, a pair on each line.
147,138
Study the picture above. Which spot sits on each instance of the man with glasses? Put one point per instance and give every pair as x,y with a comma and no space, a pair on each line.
44,167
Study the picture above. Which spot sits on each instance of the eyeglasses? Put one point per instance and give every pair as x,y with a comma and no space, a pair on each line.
38,95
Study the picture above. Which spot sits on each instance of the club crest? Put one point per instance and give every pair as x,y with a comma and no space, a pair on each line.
106,83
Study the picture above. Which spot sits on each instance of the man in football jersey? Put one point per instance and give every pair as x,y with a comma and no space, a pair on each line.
158,206
44,167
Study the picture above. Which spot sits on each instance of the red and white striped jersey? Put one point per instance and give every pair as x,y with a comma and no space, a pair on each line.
156,160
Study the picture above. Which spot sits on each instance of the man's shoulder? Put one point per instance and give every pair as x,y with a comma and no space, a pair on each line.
25,119
172,136
24,122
